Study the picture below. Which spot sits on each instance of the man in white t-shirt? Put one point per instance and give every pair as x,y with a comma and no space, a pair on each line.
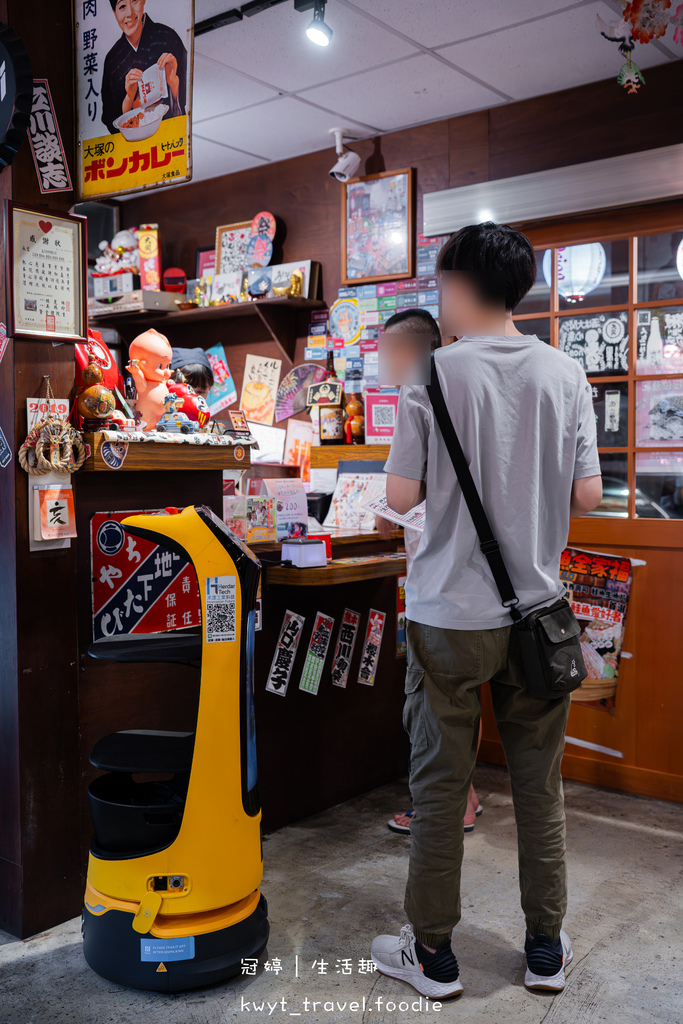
523,413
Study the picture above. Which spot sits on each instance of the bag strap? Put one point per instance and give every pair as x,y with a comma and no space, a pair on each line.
487,541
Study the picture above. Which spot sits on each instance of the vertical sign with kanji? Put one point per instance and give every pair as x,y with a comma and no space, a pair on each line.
138,586
134,94
316,654
285,653
373,642
46,142
598,589
348,631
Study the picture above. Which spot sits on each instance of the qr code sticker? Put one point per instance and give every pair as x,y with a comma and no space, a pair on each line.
221,609
383,415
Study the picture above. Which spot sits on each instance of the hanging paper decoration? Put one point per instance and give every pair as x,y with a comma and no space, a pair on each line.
580,269
643,20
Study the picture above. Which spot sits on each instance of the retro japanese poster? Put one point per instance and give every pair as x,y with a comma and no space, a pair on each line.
259,388
316,653
377,227
134,94
373,642
138,586
346,641
598,589
285,653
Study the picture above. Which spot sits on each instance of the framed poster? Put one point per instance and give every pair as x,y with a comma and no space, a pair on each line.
46,267
377,227
231,247
133,64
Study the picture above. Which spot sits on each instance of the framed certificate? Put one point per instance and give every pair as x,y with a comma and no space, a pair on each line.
46,268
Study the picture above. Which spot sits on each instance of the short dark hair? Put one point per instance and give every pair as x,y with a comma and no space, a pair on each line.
419,320
500,261
198,376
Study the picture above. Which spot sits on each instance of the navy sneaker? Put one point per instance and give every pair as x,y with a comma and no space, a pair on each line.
432,974
546,961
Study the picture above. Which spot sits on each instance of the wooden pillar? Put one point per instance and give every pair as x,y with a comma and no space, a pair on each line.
39,786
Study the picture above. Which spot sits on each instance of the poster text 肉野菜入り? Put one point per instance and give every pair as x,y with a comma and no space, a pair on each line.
134,92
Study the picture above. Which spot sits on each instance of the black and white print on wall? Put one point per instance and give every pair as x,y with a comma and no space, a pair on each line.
599,341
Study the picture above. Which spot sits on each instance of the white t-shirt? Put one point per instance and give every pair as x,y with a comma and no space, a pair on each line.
524,415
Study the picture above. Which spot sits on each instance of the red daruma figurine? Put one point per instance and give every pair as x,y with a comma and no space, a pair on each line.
149,364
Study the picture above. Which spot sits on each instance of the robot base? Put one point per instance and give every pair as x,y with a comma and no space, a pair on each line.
113,950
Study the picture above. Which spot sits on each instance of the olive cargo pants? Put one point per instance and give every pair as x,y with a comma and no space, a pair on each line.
441,714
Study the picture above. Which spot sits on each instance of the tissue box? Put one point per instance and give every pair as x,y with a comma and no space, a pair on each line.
304,553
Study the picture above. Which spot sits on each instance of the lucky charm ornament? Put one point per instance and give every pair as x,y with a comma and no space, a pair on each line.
52,445
149,365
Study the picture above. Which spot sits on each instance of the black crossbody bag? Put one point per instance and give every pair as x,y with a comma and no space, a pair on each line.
549,637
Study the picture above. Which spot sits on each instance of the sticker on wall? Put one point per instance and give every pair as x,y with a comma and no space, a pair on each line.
373,642
3,340
221,609
346,641
5,451
285,653
46,142
316,654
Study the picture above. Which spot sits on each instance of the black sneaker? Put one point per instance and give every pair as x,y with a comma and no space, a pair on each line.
546,961
431,974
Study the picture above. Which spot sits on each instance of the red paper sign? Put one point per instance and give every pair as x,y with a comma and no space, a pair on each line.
138,586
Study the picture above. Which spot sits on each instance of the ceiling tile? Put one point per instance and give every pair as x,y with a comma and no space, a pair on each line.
435,22
273,47
414,90
556,53
210,160
218,90
286,127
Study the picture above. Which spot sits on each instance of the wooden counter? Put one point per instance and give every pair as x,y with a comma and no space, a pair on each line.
333,573
325,456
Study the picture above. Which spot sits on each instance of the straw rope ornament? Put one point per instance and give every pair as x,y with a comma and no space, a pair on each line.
52,444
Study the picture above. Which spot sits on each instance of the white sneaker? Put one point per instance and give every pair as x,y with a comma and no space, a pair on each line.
546,961
435,975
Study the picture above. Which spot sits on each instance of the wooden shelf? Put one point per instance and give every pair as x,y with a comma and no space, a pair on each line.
150,455
325,456
331,574
279,320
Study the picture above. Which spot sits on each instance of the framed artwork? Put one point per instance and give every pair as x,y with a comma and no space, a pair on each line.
206,262
46,266
377,221
231,247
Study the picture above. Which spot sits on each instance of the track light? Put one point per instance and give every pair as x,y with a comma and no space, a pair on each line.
348,162
318,32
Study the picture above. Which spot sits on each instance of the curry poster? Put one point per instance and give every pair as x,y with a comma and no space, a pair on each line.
134,92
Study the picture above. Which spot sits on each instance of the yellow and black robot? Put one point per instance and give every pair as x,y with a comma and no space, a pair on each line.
172,899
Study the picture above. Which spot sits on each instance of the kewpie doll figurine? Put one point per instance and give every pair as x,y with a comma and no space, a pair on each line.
150,367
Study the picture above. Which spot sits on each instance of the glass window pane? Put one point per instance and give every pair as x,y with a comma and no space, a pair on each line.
610,402
594,274
659,413
599,341
660,340
614,504
660,267
538,299
539,327
659,485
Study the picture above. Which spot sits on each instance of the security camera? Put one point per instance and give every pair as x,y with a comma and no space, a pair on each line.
348,162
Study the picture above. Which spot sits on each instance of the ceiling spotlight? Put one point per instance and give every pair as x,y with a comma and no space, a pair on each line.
318,32
348,162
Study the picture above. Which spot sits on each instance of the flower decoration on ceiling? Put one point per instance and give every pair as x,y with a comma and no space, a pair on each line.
643,21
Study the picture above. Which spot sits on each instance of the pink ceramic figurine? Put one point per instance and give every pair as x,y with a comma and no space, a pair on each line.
150,367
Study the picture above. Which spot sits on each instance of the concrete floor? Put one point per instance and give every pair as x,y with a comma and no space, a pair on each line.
335,880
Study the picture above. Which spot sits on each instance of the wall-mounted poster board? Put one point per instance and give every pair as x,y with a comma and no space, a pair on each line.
377,227
134,94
